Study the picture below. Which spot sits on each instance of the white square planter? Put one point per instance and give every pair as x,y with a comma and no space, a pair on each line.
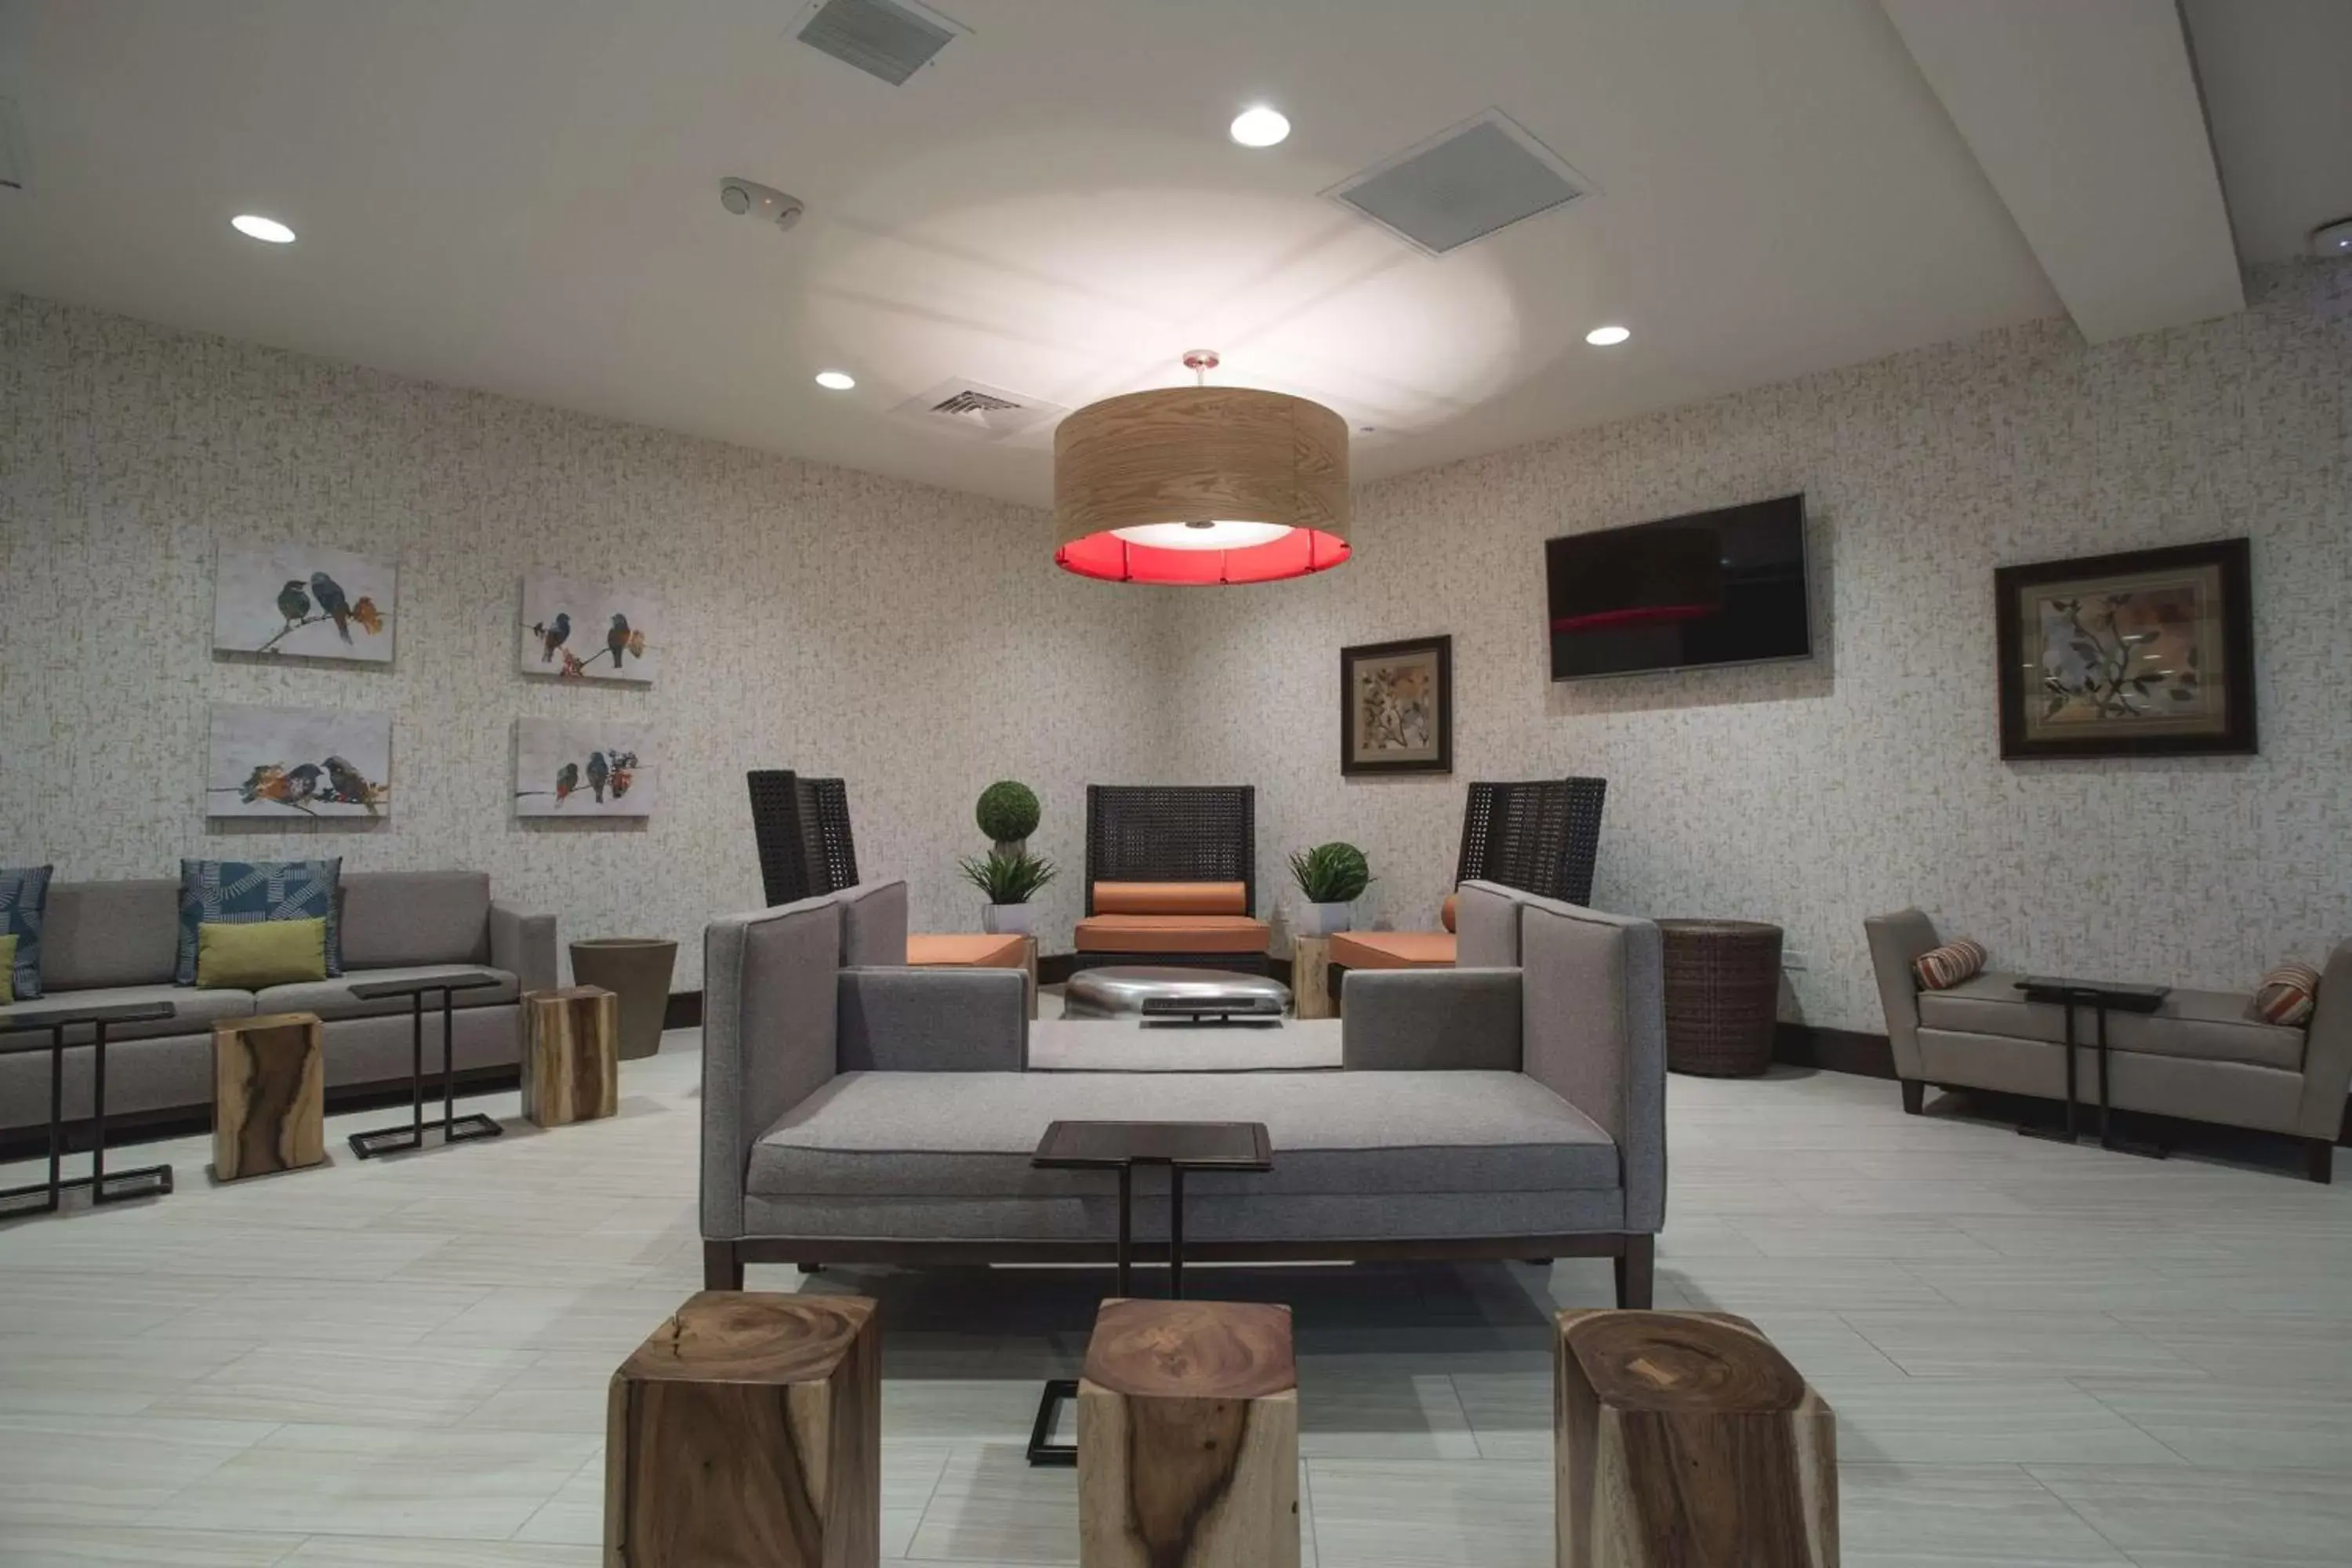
1322,919
1008,920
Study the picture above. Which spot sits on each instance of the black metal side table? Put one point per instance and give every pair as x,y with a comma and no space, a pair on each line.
105,1187
2103,998
454,1129
1121,1146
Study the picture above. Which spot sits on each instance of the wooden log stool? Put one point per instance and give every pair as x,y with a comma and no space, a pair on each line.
269,1095
1187,1437
1686,1439
571,1055
748,1431
1311,978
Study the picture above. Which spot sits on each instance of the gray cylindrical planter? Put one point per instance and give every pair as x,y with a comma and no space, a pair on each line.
636,969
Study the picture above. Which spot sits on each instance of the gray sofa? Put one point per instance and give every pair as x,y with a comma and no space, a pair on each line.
118,942
854,1110
2202,1056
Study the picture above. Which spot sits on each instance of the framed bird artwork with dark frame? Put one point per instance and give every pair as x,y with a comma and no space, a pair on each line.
2149,653
582,767
304,601
292,763
586,631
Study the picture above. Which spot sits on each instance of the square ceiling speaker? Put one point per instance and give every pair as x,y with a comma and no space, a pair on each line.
892,40
1462,185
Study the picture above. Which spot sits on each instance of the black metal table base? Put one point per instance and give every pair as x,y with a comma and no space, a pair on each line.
454,1128
2098,1001
105,1186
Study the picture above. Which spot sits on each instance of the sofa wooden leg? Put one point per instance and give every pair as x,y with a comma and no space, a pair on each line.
2319,1160
1915,1097
722,1266
1636,1269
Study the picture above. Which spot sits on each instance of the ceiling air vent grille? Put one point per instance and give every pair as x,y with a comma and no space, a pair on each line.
1462,185
979,409
892,40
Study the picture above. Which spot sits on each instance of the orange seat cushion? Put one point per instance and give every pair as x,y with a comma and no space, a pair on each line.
962,951
1171,898
1446,910
1393,948
1171,934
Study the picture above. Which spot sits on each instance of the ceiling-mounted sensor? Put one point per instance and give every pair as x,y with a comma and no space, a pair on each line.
2333,240
764,201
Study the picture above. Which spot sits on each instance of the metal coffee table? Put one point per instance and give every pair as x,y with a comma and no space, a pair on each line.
1191,995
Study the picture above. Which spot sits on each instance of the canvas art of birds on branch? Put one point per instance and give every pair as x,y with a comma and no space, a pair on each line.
621,642
335,781
607,772
319,602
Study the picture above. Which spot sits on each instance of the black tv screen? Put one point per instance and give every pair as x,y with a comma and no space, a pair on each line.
1714,587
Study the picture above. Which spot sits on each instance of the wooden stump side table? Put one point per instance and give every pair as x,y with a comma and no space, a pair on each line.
269,1095
749,1429
1187,1437
571,1055
1684,1439
1311,978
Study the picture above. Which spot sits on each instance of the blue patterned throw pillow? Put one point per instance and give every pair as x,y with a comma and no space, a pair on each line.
245,891
23,891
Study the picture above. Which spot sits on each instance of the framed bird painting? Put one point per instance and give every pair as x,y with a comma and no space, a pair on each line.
293,763
585,631
582,767
303,601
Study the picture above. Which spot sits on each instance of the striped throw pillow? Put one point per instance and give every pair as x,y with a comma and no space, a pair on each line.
2287,996
1941,968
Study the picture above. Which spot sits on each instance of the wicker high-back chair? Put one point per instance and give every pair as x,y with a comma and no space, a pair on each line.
803,828
1148,839
1539,836
1172,833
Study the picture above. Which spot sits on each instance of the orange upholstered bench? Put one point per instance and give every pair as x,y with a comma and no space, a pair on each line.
1172,920
958,949
1396,949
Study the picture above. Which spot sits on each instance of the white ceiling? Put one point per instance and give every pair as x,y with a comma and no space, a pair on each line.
522,197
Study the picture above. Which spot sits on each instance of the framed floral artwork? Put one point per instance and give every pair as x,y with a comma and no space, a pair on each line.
1396,707
2147,653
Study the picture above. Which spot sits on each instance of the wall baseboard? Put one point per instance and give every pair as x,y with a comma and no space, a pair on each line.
1853,1051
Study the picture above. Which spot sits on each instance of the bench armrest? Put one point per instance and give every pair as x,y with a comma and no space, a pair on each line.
1423,1020
1895,941
524,946
769,1029
934,1020
2327,1050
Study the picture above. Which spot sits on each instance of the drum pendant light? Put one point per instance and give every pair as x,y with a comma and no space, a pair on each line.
1201,485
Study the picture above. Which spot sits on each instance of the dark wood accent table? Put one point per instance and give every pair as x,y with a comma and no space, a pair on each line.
147,1180
454,1129
1121,1146
2102,998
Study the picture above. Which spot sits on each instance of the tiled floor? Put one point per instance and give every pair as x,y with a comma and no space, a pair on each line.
2038,1354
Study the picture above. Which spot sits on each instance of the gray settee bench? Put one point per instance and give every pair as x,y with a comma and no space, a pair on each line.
855,1111
107,942
2201,1057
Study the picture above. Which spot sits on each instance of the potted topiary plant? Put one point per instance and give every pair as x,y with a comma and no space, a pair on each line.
1007,813
1010,878
1332,877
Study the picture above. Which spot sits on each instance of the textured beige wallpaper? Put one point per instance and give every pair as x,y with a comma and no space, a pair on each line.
920,642
1813,794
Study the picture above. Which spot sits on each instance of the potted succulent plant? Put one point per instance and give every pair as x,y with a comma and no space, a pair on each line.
1007,813
1331,877
1010,878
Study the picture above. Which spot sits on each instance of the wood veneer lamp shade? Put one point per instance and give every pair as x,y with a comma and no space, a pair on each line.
1201,485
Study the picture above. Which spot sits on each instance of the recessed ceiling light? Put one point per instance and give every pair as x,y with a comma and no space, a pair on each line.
836,380
1607,337
268,229
1260,127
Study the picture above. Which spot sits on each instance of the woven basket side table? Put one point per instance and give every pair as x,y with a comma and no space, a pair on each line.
1723,995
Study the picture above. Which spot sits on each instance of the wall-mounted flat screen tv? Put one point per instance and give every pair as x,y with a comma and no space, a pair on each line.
1714,587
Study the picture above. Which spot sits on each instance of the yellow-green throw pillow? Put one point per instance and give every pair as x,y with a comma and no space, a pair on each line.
251,954
7,970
